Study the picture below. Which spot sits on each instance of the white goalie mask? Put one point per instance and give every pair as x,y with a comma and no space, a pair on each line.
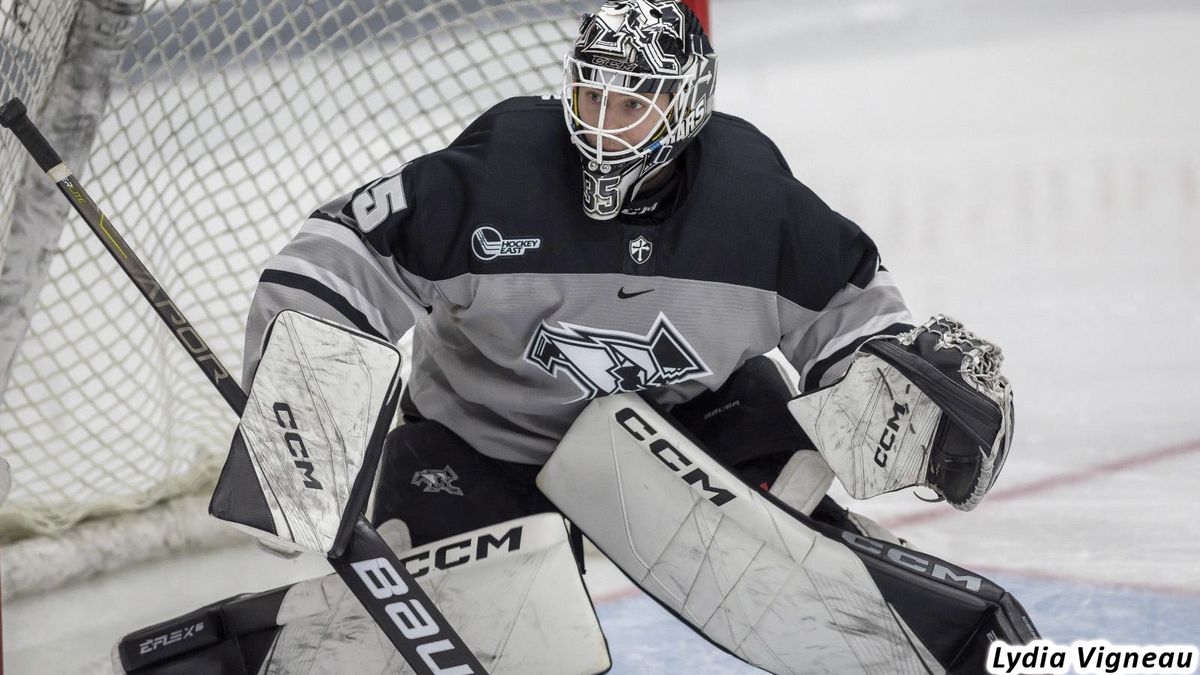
637,88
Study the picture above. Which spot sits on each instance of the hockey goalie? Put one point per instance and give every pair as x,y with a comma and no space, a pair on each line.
591,281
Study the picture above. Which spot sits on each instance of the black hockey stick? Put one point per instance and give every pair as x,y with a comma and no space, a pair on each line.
367,564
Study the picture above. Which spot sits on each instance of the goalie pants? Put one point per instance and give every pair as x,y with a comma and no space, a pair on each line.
440,486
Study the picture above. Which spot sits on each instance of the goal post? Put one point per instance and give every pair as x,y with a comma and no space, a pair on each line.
209,129
700,7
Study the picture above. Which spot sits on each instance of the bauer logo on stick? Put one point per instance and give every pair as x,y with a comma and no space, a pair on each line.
410,615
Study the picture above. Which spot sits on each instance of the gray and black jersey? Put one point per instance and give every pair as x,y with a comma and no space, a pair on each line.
524,309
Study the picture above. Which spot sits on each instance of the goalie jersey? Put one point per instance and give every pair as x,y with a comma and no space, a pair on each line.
524,309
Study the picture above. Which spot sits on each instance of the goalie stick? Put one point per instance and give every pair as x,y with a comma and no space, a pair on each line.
367,564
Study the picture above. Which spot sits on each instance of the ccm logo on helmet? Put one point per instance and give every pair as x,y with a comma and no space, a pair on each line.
669,455
408,613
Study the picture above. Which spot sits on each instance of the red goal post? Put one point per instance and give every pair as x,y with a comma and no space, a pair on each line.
700,7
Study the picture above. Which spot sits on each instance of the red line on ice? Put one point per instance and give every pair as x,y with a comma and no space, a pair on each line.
1083,581
1054,482
614,595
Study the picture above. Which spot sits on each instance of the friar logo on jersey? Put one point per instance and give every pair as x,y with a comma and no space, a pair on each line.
488,244
603,362
640,250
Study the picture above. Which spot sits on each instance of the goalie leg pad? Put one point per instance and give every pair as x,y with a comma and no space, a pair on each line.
733,565
512,591
760,580
746,425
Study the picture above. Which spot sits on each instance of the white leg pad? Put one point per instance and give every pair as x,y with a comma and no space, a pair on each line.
723,557
512,591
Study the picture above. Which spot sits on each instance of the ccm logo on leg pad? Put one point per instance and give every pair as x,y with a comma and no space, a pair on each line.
669,455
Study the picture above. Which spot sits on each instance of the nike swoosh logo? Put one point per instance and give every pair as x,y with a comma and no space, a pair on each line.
625,296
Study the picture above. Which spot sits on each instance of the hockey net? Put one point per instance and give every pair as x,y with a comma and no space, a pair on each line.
207,130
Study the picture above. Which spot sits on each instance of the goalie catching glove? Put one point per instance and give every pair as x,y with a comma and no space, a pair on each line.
928,407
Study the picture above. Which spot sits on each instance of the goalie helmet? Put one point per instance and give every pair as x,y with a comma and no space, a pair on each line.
656,52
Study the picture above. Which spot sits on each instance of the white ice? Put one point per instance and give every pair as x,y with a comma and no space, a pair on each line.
1031,170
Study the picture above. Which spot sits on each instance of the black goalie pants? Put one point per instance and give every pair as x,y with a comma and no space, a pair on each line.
440,486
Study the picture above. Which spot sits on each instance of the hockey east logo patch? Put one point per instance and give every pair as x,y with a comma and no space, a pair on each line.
488,244
603,362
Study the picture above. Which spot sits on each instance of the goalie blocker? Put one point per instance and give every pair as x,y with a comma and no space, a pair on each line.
928,407
301,466
760,580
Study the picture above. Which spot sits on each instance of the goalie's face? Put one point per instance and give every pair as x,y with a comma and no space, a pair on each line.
616,125
622,125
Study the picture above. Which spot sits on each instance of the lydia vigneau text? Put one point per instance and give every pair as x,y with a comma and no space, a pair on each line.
1043,657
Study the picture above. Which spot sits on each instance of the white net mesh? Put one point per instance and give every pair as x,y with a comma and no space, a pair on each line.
32,37
229,122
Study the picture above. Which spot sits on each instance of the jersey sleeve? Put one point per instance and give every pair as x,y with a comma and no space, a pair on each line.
342,266
836,294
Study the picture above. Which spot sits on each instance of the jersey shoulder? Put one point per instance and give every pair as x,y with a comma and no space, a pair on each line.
745,179
743,143
738,157
422,214
521,121
741,168
515,140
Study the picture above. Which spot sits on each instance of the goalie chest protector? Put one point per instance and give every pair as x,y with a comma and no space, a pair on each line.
531,308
